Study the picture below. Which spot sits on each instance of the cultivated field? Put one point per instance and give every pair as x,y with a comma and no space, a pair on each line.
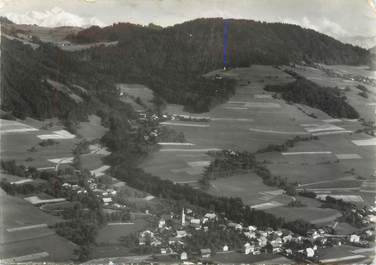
24,148
252,119
23,223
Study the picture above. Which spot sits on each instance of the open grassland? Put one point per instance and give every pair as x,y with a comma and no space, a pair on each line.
91,129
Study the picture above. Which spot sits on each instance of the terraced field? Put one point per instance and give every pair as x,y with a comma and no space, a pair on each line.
340,162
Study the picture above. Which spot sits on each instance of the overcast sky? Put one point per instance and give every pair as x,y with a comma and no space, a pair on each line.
334,17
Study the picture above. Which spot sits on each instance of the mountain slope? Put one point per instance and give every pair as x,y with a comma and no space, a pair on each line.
46,82
171,60
249,41
365,42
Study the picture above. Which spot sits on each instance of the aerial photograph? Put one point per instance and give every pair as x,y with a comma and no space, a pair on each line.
187,132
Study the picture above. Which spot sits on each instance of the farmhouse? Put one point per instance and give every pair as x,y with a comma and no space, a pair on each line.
107,200
183,256
252,228
248,248
250,235
205,252
210,216
310,252
181,234
354,238
161,223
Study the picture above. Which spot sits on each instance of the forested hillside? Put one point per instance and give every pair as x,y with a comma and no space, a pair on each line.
171,60
46,82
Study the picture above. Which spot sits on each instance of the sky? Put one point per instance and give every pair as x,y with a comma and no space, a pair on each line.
338,18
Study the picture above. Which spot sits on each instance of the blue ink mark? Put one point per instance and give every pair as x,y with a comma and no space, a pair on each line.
225,36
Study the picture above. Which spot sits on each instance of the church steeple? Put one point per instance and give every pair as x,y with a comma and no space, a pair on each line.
182,217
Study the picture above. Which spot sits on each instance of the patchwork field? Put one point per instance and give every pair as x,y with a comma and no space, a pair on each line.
25,234
340,158
23,223
24,147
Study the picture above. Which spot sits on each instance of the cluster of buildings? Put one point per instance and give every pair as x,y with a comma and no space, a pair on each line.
106,195
172,231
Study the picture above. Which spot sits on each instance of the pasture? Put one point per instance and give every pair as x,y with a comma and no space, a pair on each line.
248,187
315,215
339,254
91,129
111,233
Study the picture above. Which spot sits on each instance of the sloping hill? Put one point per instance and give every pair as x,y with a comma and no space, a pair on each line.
171,60
249,41
46,82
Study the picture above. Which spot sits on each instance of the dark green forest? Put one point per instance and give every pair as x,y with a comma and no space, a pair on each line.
172,60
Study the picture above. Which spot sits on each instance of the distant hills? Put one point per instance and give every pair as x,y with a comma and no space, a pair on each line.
373,50
55,17
365,42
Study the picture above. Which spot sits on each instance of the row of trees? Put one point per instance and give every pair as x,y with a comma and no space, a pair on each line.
350,213
286,145
228,163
